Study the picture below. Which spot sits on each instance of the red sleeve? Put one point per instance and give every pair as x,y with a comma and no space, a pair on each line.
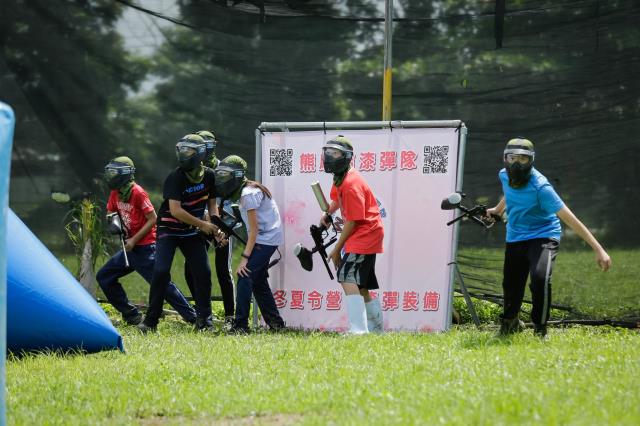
353,205
112,205
143,202
334,193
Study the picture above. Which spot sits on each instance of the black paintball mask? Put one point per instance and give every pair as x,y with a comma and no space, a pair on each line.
518,158
210,142
117,174
190,152
229,178
336,155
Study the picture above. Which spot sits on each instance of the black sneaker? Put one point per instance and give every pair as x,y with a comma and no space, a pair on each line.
540,330
204,324
134,319
510,326
146,329
238,330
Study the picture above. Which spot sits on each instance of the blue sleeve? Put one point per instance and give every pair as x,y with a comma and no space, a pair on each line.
549,200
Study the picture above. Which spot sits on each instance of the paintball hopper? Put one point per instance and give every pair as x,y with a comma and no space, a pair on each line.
452,202
114,224
305,257
476,213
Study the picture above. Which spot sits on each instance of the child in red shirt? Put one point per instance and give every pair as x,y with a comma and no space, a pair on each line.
361,237
132,203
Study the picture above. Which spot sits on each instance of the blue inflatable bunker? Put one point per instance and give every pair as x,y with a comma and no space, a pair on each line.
47,308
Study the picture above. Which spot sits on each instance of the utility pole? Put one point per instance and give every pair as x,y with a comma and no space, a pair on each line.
388,39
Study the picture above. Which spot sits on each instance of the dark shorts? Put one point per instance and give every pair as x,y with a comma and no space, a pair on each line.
358,269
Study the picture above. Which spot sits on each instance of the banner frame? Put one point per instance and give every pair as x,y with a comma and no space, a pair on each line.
285,126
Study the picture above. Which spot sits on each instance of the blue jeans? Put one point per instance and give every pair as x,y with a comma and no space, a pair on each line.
141,260
194,249
257,283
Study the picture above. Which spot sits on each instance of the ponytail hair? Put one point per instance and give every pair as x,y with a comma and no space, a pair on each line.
260,186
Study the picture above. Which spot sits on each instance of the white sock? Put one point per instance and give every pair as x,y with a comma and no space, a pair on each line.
374,316
357,314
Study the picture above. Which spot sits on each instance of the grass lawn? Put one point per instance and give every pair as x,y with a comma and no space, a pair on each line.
579,376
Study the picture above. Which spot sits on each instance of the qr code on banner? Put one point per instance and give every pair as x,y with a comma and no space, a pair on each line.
436,159
280,162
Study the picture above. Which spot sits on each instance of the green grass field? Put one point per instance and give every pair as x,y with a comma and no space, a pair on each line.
581,375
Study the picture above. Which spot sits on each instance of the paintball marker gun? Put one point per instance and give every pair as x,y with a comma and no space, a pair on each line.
476,213
318,233
228,224
229,227
115,227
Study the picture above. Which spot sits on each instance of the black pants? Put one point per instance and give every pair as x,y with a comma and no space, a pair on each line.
535,258
194,249
223,272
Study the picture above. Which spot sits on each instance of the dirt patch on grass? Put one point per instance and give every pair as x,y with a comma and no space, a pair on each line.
264,420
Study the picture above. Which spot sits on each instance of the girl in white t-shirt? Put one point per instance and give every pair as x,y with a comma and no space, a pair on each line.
264,228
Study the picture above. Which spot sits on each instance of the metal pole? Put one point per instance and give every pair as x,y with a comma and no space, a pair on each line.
388,41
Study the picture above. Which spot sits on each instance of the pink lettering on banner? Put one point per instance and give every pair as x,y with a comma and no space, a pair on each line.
315,300
390,300
410,301
297,299
334,300
408,160
322,163
280,296
367,161
307,163
431,301
373,294
388,160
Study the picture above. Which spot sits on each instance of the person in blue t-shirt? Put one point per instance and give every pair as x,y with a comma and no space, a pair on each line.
534,211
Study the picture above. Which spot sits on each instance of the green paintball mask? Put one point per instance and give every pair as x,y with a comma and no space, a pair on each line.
119,172
518,158
190,151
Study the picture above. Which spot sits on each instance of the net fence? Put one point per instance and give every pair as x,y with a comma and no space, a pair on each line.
93,79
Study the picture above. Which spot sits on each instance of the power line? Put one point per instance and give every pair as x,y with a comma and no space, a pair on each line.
518,12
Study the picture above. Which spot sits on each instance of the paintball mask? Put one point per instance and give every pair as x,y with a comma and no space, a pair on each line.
519,156
337,154
118,172
190,152
229,176
210,142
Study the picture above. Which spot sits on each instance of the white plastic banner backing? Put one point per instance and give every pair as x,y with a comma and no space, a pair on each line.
410,171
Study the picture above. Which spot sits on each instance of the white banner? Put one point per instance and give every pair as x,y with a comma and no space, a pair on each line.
409,171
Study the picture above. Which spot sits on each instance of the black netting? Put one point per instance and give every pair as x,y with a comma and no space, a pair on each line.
90,80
